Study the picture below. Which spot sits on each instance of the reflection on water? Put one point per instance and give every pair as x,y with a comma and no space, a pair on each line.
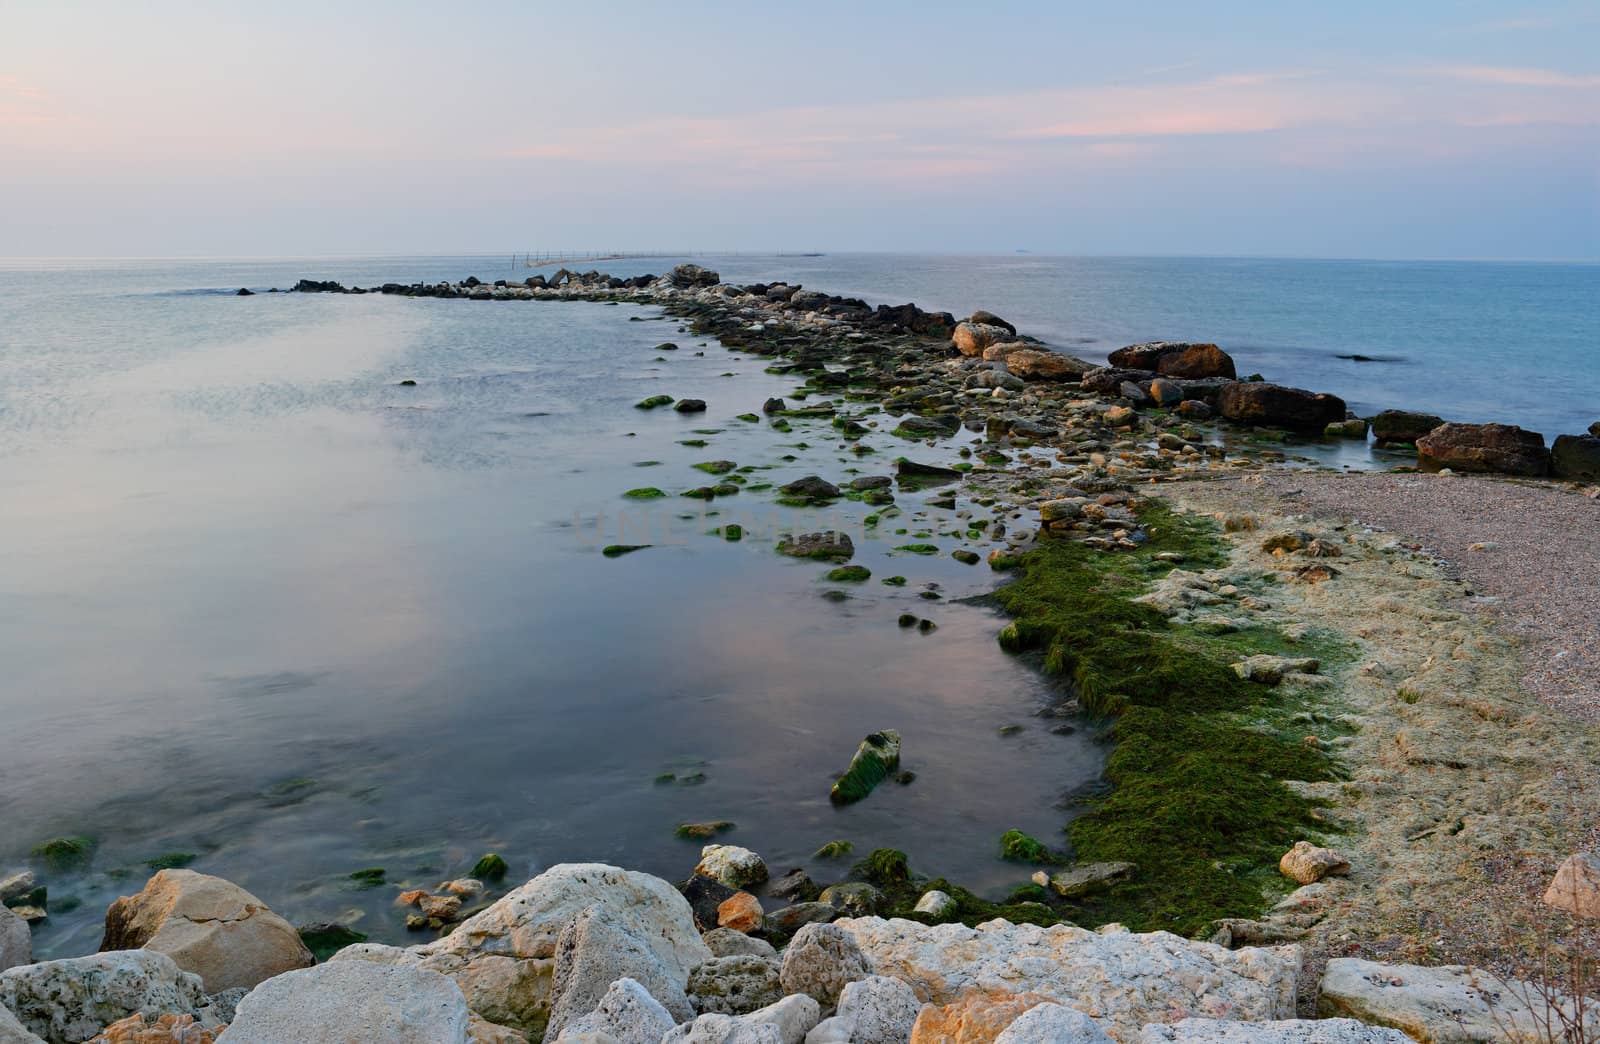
265,606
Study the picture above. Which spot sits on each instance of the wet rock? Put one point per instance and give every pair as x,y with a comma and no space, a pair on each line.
876,757
326,938
790,919
854,899
735,985
1127,979
741,912
1041,364
931,427
17,885
725,942
935,903
1497,448
626,1014
1402,426
1308,864
1164,392
706,896
731,865
911,469
1176,359
71,1000
1575,887
209,926
821,961
1273,405
812,487
878,1010
688,277
795,886
16,940
1354,428
866,482
1194,409
1449,1003
831,545
773,406
1289,1031
1576,457
356,1000
594,951
690,406
972,338
1053,1024
984,318
1091,877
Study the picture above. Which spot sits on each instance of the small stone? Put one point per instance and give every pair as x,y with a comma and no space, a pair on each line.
742,912
411,898
444,907
936,904
1307,863
1576,886
725,942
465,887
731,865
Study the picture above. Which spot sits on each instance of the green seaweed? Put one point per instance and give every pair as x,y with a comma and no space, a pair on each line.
489,868
371,877
919,549
644,493
171,860
849,574
653,401
833,850
876,757
325,940
1017,847
64,853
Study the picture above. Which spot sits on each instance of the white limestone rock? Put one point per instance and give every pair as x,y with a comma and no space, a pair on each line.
627,1014
880,1010
1289,1031
1053,1024
722,1029
16,940
821,960
594,951
353,1000
71,1000
733,866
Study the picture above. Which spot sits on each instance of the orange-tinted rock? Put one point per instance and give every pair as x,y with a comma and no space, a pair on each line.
977,1018
740,911
411,898
167,1029
973,338
1040,364
1499,448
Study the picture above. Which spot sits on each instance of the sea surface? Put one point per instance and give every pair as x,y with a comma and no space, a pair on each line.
265,608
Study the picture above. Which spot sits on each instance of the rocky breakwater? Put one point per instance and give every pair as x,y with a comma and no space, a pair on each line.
594,954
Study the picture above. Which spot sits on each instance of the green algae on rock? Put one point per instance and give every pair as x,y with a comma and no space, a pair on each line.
490,868
653,401
1017,847
644,493
64,853
876,757
849,574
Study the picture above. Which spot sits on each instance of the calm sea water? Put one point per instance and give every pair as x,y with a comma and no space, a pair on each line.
261,605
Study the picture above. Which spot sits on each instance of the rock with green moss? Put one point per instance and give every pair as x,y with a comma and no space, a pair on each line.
853,574
653,401
716,467
618,550
64,853
644,493
490,868
918,549
830,544
965,557
370,877
703,831
876,757
834,850
1018,847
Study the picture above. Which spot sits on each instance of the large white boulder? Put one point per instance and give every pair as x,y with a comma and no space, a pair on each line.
70,1000
628,1014
713,1028
504,958
16,940
350,1001
1290,1031
1122,979
1449,1004
594,951
209,926
1053,1024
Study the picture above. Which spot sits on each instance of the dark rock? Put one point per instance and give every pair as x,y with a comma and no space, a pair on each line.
1576,457
1108,380
1497,448
866,482
830,544
245,292
326,938
773,406
312,286
1256,402
911,469
937,426
690,406
795,886
855,899
1594,429
689,276
1176,359
1402,425
812,487
472,281
990,319
1193,409
705,894
791,919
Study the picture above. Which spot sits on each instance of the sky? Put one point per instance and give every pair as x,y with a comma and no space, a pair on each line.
1426,129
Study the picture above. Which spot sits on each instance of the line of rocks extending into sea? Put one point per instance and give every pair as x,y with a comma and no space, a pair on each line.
1156,374
587,953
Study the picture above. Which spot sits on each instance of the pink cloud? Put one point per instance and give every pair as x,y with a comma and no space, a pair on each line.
1506,76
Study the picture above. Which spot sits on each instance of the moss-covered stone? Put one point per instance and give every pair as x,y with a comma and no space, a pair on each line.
1017,847
328,938
852,574
64,853
618,550
491,867
919,549
370,877
171,860
833,850
716,467
653,401
703,831
876,757
964,556
644,493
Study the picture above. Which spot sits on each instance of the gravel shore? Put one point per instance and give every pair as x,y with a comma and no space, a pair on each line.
1529,551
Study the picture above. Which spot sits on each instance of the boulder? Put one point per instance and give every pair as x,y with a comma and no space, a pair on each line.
1449,1004
741,911
14,1032
353,1000
1307,863
1594,429
1289,1031
1126,979
1164,392
16,940
734,866
1402,426
595,950
687,277
209,926
795,886
1176,359
1041,364
790,919
1576,457
831,544
1053,1024
1497,448
17,885
71,1000
735,985
504,957
820,961
879,1010
935,903
1273,405
1090,877
1108,380
812,487
854,899
690,406
984,318
978,1017
973,338
725,942
626,1014
1575,887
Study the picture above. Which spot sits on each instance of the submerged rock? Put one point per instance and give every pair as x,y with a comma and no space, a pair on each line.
876,757
209,926
831,545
